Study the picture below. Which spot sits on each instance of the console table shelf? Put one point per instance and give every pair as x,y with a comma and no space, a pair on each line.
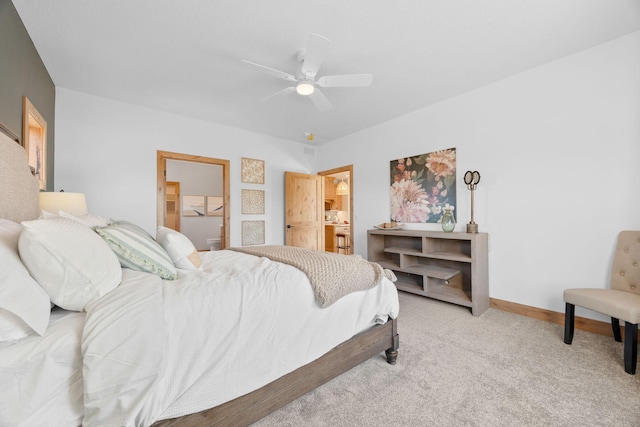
451,267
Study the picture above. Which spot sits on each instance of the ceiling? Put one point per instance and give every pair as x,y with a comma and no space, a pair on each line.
185,56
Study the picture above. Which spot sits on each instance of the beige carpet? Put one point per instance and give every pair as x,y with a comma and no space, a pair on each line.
499,369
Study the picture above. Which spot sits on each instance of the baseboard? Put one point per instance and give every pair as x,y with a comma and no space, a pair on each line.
589,325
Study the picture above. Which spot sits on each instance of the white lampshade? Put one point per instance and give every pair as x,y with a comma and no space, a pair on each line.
342,189
73,203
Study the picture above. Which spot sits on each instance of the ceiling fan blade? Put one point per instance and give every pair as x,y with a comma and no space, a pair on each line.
320,101
316,51
347,80
280,92
272,71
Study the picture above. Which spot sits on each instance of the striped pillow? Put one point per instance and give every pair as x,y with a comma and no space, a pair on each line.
137,250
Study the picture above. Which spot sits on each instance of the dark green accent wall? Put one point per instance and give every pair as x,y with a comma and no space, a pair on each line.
22,73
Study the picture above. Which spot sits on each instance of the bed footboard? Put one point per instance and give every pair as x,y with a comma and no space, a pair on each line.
253,406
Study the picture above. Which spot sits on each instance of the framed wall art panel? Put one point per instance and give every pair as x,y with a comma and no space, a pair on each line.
423,186
252,171
215,205
193,206
34,137
252,233
252,201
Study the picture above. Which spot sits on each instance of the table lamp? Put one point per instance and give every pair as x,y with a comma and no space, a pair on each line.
72,203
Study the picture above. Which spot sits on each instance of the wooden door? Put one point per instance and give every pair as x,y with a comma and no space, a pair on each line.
304,210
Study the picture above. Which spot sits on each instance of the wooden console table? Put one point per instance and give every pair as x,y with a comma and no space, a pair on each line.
450,267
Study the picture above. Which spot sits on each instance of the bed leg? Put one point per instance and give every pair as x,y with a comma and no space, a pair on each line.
392,355
392,352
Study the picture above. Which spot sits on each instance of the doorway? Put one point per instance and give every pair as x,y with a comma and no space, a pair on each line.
223,211
338,209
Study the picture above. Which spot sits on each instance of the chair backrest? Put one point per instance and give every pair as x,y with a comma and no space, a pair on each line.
625,272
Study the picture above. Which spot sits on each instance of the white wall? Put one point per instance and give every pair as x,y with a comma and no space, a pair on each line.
558,148
107,150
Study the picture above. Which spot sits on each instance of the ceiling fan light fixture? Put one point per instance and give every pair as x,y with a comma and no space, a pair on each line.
305,87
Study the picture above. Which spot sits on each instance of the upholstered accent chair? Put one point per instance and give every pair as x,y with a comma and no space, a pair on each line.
621,301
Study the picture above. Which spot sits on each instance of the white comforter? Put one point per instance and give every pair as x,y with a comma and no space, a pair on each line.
154,349
41,377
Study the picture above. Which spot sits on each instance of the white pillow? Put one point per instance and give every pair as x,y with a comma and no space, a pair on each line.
24,306
71,262
89,220
180,249
137,250
47,214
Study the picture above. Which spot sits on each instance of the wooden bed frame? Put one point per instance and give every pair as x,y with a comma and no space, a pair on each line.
253,406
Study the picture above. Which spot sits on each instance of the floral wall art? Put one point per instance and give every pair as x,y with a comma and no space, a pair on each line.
421,186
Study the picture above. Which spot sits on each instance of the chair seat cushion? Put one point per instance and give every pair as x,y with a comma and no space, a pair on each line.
619,304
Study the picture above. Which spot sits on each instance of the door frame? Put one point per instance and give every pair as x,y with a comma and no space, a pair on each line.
162,158
349,169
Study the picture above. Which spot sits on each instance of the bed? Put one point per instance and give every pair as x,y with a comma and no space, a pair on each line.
224,341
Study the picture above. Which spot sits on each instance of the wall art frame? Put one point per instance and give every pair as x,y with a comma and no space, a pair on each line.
422,186
193,205
215,205
252,171
34,140
253,202
252,233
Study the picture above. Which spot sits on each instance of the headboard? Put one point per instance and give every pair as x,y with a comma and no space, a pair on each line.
18,187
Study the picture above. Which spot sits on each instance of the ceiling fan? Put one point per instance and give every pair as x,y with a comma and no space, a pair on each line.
305,79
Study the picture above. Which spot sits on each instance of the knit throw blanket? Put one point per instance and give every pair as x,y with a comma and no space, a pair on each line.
332,276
